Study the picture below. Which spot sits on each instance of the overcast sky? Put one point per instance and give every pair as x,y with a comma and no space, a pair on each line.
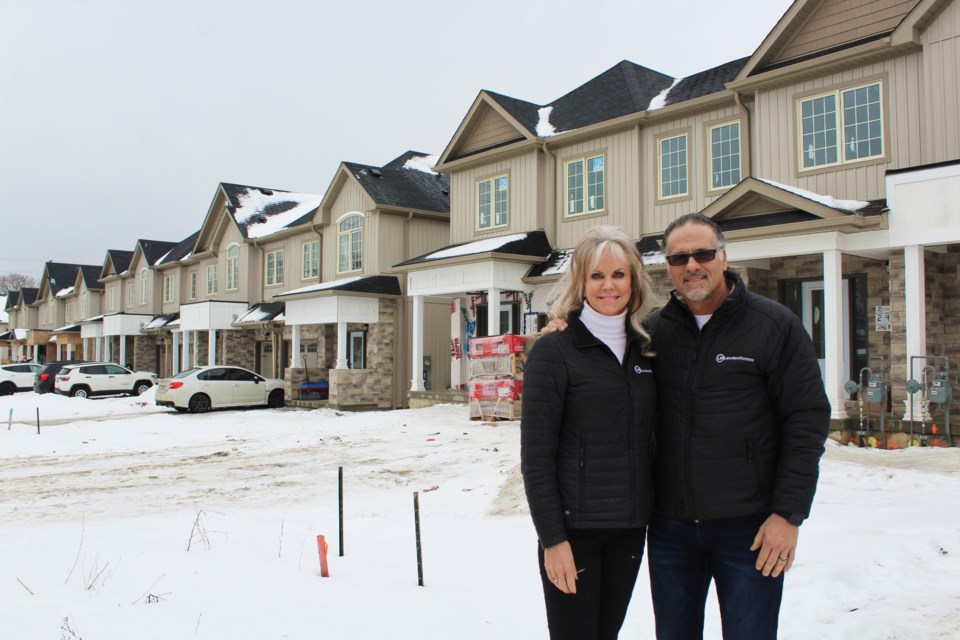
118,118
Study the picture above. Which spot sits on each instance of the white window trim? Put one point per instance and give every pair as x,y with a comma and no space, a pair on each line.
586,186
233,269
307,268
660,141
709,144
277,278
838,93
350,267
168,285
493,203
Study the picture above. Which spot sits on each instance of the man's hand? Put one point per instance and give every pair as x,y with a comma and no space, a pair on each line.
777,542
554,325
560,568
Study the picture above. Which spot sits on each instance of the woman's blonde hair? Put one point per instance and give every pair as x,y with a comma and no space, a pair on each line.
594,243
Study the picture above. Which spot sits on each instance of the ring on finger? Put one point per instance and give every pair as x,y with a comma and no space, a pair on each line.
782,559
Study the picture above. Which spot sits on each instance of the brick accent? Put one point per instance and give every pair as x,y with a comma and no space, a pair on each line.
371,387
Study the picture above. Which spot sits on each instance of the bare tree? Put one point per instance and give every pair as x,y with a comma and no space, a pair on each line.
15,281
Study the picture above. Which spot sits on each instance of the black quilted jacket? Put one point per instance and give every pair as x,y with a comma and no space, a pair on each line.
585,435
743,413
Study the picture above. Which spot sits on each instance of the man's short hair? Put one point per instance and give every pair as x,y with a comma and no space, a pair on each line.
694,218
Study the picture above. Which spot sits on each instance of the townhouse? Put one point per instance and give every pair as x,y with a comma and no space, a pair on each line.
830,157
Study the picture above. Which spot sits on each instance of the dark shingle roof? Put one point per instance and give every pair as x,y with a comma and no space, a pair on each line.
705,82
29,294
526,113
153,250
268,203
181,249
393,185
120,259
381,285
60,275
530,244
91,275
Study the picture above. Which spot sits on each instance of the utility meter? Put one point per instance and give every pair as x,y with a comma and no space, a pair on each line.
940,391
876,391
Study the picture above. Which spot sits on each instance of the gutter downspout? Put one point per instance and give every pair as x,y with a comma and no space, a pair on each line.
550,205
743,108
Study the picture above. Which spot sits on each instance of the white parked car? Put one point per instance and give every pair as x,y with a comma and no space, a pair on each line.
204,388
17,377
102,379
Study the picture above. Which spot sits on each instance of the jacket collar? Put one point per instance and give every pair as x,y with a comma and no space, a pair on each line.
677,307
582,336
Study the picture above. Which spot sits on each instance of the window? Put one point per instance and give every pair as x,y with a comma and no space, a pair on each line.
274,268
168,288
493,202
85,304
211,280
856,126
593,167
233,268
673,166
143,285
311,260
131,293
724,155
350,244
193,285
112,299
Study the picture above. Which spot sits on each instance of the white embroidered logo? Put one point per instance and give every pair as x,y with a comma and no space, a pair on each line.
723,358
638,369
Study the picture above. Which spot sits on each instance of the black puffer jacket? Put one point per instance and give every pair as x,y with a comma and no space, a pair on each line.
585,435
743,413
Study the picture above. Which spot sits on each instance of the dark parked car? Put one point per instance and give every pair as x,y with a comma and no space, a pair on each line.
48,375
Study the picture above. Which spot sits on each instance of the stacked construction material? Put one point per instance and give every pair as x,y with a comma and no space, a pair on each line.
496,377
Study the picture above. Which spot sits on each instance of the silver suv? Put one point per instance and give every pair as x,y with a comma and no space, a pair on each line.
101,379
17,377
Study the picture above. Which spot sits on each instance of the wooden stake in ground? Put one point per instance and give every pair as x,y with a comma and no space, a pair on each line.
416,518
340,484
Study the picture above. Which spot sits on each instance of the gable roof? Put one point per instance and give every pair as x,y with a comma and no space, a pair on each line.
180,250
153,250
29,294
119,259
405,182
260,211
90,274
58,276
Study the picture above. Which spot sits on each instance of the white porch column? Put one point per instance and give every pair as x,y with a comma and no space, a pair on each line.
175,365
915,297
834,375
123,351
107,355
185,351
493,312
59,352
195,348
416,383
86,349
212,350
98,348
341,345
295,347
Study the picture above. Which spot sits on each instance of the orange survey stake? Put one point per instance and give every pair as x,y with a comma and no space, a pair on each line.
322,549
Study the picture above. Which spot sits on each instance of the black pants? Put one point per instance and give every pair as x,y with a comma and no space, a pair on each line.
608,561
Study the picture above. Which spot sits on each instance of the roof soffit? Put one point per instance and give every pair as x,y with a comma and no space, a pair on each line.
340,178
917,20
478,110
213,222
786,28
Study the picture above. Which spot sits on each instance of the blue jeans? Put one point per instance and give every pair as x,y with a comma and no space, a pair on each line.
684,556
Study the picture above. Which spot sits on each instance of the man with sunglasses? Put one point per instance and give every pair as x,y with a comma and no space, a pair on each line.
742,420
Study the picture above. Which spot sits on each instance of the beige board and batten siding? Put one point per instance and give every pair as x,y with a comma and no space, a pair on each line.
488,128
398,239
436,344
351,199
523,198
292,247
621,186
657,213
837,22
776,144
941,82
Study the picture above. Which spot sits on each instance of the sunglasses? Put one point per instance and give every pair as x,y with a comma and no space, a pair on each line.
700,255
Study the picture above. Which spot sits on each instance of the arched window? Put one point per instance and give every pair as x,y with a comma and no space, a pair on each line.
233,267
142,284
350,243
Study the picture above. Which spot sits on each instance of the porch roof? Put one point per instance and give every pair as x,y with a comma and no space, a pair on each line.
161,322
261,312
531,244
378,285
69,328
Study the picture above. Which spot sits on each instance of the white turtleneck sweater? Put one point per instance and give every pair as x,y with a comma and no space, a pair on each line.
611,330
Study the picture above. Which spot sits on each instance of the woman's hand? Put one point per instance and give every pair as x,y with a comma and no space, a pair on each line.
554,325
560,568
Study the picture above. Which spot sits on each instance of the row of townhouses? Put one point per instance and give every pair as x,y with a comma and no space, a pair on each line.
830,157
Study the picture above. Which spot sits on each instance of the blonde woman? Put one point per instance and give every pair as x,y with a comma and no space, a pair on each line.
589,405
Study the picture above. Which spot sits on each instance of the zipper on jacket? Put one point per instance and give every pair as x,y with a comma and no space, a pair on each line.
685,477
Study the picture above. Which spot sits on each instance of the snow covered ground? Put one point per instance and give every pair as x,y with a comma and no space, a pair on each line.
120,520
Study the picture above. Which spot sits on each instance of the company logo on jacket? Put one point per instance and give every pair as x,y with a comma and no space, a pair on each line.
722,358
639,370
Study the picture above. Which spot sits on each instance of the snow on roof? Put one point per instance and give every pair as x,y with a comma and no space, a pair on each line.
255,314
560,265
660,100
333,284
162,258
186,257
67,327
156,323
93,319
422,163
827,201
254,202
63,293
21,334
544,128
480,246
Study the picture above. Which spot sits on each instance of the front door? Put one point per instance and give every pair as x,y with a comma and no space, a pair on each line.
814,321
358,350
